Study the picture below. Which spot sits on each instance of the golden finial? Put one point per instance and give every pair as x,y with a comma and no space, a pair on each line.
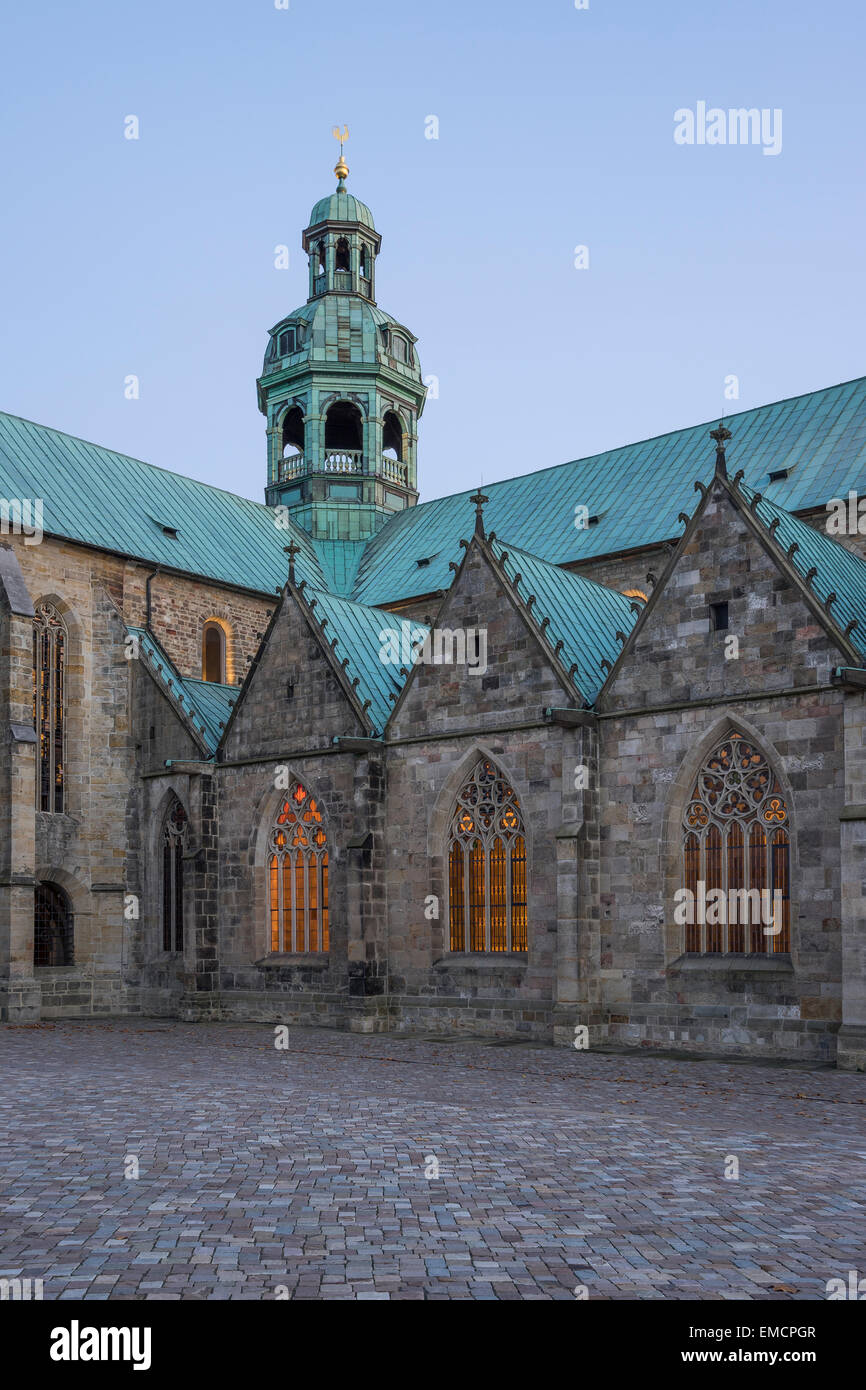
341,168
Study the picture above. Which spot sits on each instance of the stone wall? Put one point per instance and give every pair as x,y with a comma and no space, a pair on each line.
446,721
119,729
674,697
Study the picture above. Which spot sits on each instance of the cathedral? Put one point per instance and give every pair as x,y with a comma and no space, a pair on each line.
578,759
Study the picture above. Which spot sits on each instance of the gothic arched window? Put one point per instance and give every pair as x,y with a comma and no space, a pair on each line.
487,865
174,841
49,704
736,838
298,875
53,935
342,256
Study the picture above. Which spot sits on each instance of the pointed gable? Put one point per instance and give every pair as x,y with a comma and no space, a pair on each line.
510,670
725,563
295,695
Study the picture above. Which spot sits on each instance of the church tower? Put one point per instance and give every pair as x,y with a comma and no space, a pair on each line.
341,386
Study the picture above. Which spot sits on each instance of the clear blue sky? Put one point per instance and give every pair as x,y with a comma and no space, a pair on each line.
155,257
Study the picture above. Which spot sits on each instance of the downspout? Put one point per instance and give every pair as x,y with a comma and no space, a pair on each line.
148,609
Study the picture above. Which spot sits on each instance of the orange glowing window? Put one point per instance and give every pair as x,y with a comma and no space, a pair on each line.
298,876
487,866
735,839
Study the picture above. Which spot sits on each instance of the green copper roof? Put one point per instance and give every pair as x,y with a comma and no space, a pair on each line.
636,491
359,632
584,616
339,561
203,705
336,322
113,502
117,503
837,570
342,207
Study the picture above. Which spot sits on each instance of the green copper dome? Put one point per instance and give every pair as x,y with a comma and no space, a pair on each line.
342,207
341,328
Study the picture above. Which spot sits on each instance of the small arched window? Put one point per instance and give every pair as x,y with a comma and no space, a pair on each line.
342,260
399,348
487,866
736,855
298,875
175,835
364,263
49,704
53,932
213,653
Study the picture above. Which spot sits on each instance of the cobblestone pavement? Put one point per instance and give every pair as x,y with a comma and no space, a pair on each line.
305,1168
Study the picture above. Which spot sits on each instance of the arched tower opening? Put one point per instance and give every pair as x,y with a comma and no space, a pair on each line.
293,433
392,436
344,437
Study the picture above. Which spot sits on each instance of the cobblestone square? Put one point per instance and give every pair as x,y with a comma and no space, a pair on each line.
310,1172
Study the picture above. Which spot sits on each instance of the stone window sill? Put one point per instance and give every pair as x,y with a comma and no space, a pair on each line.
780,964
315,959
481,960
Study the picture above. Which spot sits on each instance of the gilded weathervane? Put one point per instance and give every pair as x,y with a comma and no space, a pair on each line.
341,168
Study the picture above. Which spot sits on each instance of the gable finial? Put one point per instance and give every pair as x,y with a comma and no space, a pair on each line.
292,550
721,436
341,168
479,499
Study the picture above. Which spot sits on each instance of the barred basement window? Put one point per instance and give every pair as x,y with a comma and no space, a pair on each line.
298,876
487,866
53,933
49,704
174,841
736,838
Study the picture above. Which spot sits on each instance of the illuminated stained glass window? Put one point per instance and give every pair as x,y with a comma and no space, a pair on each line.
49,704
736,838
174,843
487,866
298,876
